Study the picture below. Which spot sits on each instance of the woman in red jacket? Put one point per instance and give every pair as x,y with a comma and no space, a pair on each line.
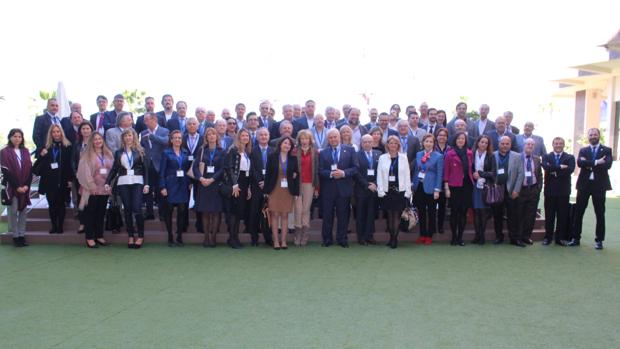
458,182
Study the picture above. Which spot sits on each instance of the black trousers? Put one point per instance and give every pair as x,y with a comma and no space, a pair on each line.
556,209
598,200
343,208
131,196
427,209
181,214
56,201
441,210
153,196
256,206
527,205
365,211
512,212
94,215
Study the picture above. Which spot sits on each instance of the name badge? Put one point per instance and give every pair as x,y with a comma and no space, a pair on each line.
371,172
130,172
103,171
180,173
591,176
190,158
247,173
264,171
392,178
284,183
334,167
421,175
54,165
210,169
500,171
528,173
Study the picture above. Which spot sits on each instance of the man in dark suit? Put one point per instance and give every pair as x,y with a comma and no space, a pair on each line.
353,121
337,167
513,129
501,131
265,120
409,144
154,140
287,113
149,105
530,191
373,114
307,120
483,125
192,143
42,125
100,120
220,128
384,121
168,113
594,161
112,116
559,167
258,158
365,192
179,121
285,130
432,126
70,125
461,114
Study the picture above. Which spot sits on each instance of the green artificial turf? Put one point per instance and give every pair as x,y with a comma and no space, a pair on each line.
363,297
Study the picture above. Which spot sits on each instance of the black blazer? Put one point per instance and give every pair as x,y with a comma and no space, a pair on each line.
495,139
413,147
292,174
54,179
585,161
256,159
109,121
362,179
558,180
489,168
42,124
140,167
68,129
185,145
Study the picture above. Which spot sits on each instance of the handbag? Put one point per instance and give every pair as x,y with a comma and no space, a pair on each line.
225,190
264,223
408,219
493,194
113,218
6,200
190,171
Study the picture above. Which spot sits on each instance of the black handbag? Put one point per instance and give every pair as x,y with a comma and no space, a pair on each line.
493,194
225,190
6,201
113,218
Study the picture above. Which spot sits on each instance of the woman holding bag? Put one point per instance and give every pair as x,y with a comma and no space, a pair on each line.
238,166
484,174
17,177
93,169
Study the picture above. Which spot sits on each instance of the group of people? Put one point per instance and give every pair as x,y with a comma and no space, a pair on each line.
252,168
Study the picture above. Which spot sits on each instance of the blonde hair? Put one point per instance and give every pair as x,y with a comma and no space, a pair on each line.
136,144
392,138
90,153
50,139
248,147
205,142
305,133
348,129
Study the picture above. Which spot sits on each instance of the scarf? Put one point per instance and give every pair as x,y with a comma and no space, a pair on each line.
426,156
462,154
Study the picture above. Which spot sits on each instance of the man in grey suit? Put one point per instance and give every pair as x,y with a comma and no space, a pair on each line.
539,142
409,144
510,174
154,139
482,125
124,121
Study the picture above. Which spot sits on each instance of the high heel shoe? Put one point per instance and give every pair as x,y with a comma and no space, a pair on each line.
94,245
101,242
137,246
131,244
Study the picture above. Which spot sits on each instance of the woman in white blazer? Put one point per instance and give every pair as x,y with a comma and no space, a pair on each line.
393,185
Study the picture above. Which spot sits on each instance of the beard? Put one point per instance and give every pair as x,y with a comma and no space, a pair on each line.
594,141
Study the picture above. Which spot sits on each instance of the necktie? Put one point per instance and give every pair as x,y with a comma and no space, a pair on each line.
335,155
430,130
403,142
264,154
55,120
369,157
557,159
182,124
100,122
528,167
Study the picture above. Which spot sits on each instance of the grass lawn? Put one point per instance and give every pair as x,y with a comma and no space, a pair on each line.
363,297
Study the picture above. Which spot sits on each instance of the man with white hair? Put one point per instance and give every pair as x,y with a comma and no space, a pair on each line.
530,191
539,142
178,122
240,111
501,131
296,112
287,113
365,191
203,121
337,167
285,129
330,118
113,135
225,140
513,129
192,143
423,114
225,114
373,115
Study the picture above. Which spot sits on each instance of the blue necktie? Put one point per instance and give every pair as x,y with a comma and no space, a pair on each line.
528,167
335,155
264,154
557,160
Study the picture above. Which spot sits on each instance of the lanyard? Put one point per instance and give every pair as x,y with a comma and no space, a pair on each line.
283,164
211,156
335,152
502,162
394,161
191,141
129,158
179,158
100,158
404,142
264,156
319,138
55,153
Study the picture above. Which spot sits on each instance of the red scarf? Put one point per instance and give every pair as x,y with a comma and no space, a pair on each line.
426,156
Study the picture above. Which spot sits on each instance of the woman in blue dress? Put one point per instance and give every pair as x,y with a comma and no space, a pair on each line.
174,185
209,170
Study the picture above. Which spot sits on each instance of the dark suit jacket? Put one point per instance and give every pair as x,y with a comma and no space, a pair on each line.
174,123
161,117
514,130
276,130
475,132
362,179
271,122
42,124
109,121
185,145
558,180
67,127
347,161
585,161
140,167
53,180
292,174
256,159
413,147
495,139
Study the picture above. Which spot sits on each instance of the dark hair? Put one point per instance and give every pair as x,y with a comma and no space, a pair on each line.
149,97
239,105
79,130
166,95
441,111
429,135
119,96
395,105
456,136
172,134
310,101
489,147
247,116
461,103
12,133
279,146
412,113
102,97
384,113
429,109
442,129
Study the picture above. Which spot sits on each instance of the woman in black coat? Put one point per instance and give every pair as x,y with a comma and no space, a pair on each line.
54,168
281,186
483,168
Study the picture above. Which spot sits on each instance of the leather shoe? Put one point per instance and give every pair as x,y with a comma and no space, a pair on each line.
573,242
371,241
326,244
344,245
528,241
598,245
517,243
546,242
363,243
561,243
